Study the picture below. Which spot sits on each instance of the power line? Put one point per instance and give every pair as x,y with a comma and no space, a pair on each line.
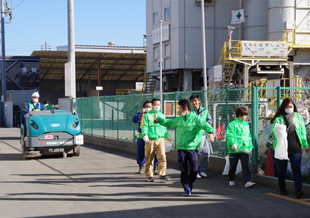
18,5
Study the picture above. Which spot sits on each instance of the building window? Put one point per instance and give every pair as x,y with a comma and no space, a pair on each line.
155,53
167,13
167,50
155,18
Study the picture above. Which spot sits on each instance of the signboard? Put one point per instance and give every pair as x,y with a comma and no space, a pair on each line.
158,64
264,49
218,75
165,34
237,16
210,77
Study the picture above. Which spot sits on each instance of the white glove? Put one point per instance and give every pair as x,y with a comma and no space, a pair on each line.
146,138
234,147
251,150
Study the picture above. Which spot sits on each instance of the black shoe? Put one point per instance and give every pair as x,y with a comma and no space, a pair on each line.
299,193
283,191
150,179
155,169
141,168
164,178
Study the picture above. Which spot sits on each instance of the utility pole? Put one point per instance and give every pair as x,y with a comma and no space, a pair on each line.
3,92
161,56
71,51
204,60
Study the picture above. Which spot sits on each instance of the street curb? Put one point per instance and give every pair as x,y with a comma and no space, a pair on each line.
216,164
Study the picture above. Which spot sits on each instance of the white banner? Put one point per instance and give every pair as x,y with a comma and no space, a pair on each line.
165,34
218,75
264,49
237,16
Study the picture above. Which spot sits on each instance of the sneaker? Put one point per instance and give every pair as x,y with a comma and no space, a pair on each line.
187,193
299,193
232,183
191,187
283,191
155,169
203,174
164,178
141,169
198,176
249,184
150,179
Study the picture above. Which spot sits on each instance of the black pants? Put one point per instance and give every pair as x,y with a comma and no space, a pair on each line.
188,175
233,161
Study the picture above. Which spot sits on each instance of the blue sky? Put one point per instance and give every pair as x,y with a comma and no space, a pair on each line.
97,22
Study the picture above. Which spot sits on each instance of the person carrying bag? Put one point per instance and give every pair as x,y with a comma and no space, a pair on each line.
295,138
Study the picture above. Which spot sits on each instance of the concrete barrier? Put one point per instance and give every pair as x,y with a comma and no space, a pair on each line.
216,164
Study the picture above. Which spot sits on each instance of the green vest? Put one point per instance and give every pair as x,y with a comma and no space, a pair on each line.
31,106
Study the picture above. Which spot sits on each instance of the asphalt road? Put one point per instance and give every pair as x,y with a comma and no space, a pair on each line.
103,183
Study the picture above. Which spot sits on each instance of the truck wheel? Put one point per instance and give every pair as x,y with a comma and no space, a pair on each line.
76,150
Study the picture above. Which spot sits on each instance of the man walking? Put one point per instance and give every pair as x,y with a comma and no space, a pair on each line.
154,136
188,127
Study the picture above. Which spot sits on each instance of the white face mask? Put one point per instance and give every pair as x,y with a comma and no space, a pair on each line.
156,108
183,113
147,110
289,110
35,100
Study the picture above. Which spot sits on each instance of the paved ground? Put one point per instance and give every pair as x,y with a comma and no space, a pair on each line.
102,183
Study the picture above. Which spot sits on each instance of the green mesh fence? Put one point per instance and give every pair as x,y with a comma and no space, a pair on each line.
111,116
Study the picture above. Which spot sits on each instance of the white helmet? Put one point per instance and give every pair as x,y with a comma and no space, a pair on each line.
35,94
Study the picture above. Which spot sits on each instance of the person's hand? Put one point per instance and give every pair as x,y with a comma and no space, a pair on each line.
307,149
234,147
146,138
156,121
211,137
142,111
250,150
170,140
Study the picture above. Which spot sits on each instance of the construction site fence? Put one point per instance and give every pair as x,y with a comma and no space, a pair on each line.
111,116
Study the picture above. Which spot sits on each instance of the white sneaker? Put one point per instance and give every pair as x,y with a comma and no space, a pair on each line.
198,176
249,184
203,174
232,183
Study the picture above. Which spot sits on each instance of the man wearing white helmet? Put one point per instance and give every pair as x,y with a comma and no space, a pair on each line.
34,104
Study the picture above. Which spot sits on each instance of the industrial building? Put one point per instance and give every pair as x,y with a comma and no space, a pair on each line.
268,23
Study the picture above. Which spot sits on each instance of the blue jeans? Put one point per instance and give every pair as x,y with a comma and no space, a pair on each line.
295,163
233,161
188,176
140,153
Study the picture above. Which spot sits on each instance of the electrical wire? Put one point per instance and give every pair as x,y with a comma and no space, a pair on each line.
18,5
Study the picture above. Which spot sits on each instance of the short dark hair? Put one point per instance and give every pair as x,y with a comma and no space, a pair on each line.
241,111
46,102
194,96
185,103
155,99
146,102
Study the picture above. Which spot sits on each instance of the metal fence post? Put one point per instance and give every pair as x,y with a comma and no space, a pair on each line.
91,114
133,125
175,115
117,117
254,120
226,123
278,96
81,115
103,118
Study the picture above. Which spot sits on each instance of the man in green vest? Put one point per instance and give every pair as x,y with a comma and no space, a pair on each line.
154,136
34,104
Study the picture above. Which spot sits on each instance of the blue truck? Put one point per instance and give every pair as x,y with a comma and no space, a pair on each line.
50,132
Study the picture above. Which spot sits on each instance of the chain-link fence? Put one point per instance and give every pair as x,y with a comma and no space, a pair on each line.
111,116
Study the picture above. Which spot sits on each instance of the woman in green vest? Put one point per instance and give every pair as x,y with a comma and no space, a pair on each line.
288,115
